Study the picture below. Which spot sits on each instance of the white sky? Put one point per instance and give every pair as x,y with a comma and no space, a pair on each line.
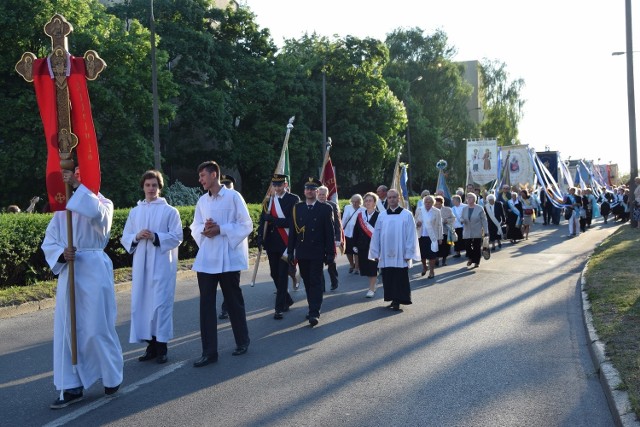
575,90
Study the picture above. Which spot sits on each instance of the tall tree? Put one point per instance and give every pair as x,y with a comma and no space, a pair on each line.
422,73
364,118
120,97
503,105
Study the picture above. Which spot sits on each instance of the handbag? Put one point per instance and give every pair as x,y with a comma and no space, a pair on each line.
568,212
486,252
528,211
453,236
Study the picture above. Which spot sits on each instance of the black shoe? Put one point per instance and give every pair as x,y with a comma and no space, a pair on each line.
444,262
204,361
394,306
313,321
223,315
499,245
111,390
334,287
161,359
437,263
240,350
278,316
148,355
457,256
68,399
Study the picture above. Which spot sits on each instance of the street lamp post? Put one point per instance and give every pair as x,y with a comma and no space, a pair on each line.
154,90
633,148
417,79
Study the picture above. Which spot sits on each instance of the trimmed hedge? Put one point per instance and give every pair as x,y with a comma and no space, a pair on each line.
22,261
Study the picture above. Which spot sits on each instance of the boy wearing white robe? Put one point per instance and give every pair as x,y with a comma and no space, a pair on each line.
394,245
152,233
98,347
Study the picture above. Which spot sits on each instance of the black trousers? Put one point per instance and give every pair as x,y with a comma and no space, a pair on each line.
332,269
230,286
474,249
311,271
280,275
547,213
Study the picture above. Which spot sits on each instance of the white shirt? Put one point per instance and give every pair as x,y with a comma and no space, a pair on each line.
349,219
228,251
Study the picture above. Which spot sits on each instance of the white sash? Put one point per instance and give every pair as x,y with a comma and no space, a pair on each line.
494,219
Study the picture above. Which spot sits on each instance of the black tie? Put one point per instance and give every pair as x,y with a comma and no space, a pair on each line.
310,207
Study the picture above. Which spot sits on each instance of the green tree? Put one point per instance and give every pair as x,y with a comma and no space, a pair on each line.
422,73
364,118
121,100
502,102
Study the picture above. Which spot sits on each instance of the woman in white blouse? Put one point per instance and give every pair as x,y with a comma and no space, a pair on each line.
457,208
349,218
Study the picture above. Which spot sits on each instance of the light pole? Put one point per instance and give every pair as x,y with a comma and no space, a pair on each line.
417,79
633,147
154,90
324,108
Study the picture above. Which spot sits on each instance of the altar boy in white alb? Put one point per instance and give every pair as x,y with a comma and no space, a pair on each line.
99,351
152,234
394,245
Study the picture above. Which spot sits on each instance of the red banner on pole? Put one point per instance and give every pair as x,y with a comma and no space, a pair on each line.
82,125
329,181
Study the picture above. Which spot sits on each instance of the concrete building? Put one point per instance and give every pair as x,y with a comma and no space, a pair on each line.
473,77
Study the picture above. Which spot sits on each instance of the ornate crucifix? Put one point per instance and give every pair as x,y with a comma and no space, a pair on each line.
58,28
69,108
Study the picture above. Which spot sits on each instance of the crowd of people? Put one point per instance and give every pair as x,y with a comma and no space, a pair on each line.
376,233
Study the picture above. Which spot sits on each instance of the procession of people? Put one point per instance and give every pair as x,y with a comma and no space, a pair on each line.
382,239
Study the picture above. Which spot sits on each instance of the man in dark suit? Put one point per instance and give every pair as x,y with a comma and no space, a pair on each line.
277,215
381,191
311,244
547,207
504,196
337,235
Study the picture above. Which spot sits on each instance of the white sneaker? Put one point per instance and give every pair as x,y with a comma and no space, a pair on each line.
370,294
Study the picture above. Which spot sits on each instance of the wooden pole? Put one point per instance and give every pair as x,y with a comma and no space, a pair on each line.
58,28
325,159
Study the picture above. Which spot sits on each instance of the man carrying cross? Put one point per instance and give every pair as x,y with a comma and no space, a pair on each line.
86,347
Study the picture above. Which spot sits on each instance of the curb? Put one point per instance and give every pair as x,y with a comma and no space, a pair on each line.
618,400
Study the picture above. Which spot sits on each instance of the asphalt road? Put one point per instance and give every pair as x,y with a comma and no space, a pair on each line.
501,345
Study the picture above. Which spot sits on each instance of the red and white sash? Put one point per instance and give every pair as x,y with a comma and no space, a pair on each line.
276,211
366,227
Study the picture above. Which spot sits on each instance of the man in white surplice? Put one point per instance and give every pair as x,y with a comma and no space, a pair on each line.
99,352
152,233
221,227
394,245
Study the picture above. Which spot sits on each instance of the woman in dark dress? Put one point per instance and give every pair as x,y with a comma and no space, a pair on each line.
514,219
362,232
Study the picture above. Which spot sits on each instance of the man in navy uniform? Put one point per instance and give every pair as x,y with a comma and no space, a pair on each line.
277,215
311,244
332,268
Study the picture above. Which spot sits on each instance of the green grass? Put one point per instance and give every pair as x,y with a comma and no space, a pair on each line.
613,286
